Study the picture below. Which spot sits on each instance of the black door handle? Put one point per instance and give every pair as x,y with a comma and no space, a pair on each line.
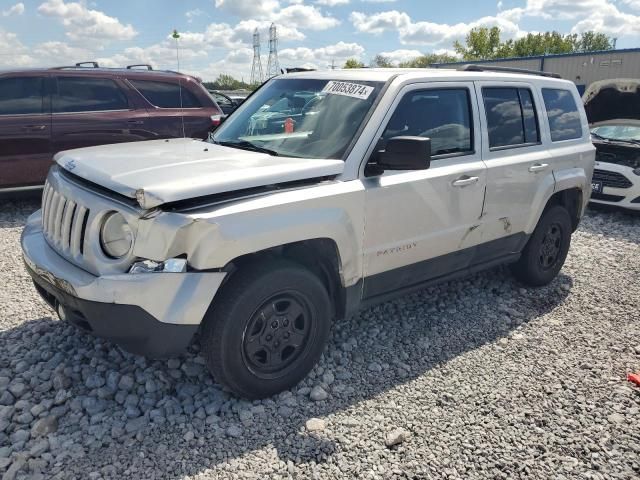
34,128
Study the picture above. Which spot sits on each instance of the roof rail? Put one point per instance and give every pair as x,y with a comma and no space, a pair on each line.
299,69
472,67
136,65
93,64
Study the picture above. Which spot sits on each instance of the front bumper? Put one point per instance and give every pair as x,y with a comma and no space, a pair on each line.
628,198
154,314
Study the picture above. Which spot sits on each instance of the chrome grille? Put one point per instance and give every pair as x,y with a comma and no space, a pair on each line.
611,179
64,222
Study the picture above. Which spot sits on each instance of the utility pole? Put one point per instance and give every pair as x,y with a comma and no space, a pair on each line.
273,66
256,67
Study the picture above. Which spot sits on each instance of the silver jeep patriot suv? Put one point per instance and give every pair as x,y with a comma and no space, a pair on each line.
321,194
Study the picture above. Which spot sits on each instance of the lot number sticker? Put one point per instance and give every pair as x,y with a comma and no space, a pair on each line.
348,89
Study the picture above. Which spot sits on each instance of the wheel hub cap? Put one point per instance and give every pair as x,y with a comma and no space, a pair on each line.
550,246
277,333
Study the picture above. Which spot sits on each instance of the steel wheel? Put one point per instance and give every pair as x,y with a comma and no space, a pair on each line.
551,246
277,334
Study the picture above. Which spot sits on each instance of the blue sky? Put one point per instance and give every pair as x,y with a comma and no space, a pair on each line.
216,34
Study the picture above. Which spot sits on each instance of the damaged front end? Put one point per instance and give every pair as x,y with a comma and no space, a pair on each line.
613,111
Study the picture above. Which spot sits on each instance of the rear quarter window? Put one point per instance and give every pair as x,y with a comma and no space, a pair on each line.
166,94
563,114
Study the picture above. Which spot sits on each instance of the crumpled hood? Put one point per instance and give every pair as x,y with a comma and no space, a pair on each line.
162,171
615,99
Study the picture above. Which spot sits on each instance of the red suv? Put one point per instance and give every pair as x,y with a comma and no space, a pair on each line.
45,111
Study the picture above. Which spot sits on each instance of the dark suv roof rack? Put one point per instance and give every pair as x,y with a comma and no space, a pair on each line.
83,64
138,65
474,67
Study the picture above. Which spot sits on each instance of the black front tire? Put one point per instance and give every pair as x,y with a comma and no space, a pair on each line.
546,250
267,328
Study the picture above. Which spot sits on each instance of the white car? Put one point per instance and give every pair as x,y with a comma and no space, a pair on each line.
613,111
262,237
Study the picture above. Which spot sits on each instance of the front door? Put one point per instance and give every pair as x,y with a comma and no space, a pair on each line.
424,224
25,131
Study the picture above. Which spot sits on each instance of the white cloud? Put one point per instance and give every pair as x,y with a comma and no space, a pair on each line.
248,8
320,57
633,4
13,53
401,55
379,22
193,14
296,14
60,53
598,15
332,3
427,33
17,9
82,23
303,16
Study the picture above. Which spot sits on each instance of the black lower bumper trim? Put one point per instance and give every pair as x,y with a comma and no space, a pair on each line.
128,326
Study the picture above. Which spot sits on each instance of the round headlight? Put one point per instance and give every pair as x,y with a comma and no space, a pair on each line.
116,237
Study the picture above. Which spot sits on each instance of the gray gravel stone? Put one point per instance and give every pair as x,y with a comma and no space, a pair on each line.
395,437
44,426
315,425
318,394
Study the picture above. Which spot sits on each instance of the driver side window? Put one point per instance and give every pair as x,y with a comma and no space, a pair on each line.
443,115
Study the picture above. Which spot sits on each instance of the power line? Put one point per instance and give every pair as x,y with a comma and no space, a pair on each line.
273,66
256,67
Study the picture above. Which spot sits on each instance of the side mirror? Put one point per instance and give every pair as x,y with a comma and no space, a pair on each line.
405,153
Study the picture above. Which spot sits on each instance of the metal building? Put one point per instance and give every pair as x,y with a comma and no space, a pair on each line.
582,68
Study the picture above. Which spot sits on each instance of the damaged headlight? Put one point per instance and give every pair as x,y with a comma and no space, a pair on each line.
173,265
116,236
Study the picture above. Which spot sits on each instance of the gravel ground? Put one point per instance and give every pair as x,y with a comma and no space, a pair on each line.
478,378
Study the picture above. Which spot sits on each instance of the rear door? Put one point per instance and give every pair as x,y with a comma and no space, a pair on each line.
175,110
519,175
91,110
25,130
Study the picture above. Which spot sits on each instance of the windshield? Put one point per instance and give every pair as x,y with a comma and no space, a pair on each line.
618,132
306,118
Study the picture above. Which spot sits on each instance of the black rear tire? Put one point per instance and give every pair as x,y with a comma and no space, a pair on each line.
546,250
267,328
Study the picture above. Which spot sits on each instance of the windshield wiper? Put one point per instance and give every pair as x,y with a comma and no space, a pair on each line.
245,145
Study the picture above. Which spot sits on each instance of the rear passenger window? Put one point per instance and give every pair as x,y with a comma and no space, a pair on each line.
511,117
165,94
21,95
564,118
444,116
86,94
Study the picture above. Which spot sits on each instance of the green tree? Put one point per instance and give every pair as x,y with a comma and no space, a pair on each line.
380,61
423,61
227,82
481,43
592,41
484,43
353,63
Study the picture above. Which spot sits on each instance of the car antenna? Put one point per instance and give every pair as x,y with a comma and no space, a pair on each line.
176,35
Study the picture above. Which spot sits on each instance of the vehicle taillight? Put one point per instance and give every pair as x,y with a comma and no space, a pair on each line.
216,120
